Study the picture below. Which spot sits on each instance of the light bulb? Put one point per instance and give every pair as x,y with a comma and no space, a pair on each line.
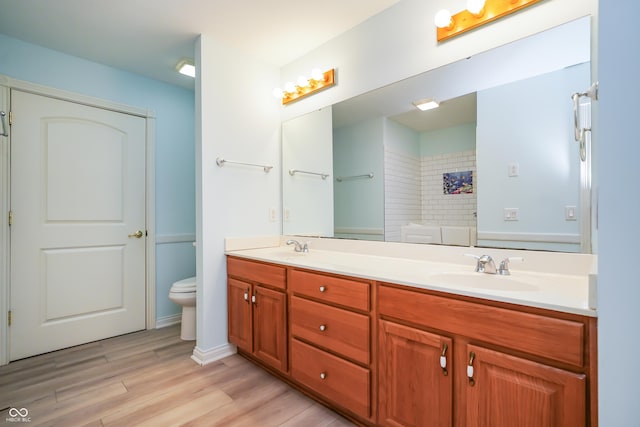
303,81
443,19
278,93
289,87
317,75
475,6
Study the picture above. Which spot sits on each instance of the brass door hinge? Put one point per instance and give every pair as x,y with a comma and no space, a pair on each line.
10,218
9,318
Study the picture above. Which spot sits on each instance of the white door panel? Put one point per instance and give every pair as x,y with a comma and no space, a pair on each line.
92,168
77,193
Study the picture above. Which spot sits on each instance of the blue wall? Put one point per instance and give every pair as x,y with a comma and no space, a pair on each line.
618,234
175,153
358,149
535,131
449,140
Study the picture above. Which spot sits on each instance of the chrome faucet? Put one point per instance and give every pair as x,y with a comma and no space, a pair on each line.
298,246
485,264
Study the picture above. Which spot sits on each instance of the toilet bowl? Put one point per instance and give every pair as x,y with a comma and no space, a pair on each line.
183,293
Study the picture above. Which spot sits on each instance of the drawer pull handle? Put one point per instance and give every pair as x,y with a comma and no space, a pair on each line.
323,375
472,382
443,359
322,289
323,328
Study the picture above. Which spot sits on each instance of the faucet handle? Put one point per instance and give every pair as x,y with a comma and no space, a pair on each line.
503,269
479,264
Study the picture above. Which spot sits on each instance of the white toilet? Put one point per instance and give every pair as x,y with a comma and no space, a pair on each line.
183,293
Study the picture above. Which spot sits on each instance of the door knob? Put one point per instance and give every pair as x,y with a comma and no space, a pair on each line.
138,234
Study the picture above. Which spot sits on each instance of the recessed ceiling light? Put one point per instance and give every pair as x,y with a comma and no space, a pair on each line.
426,104
186,67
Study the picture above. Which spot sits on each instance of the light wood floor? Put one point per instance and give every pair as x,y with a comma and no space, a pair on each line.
148,379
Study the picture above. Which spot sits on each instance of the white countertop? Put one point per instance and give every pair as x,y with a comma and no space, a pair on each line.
445,269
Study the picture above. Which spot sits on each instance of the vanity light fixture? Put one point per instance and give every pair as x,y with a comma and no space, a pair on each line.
305,86
426,104
186,67
478,12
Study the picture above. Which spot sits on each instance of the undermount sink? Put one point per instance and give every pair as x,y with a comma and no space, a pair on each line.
289,254
482,281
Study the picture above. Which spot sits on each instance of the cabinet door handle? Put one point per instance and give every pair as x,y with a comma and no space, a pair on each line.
443,359
472,357
246,295
323,375
322,289
5,129
253,297
323,328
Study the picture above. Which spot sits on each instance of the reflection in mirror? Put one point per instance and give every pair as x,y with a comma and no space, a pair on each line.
500,147
307,198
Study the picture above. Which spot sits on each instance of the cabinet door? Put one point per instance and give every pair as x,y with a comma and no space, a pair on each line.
508,391
239,314
414,390
270,327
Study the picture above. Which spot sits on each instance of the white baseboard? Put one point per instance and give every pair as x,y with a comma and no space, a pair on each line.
165,321
204,357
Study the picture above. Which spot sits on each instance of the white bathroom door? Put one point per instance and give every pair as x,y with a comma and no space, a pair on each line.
77,201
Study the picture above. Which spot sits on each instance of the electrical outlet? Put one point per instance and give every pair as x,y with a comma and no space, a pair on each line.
273,214
287,214
511,214
570,213
513,169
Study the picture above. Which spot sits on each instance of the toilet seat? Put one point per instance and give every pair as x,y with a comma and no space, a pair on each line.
185,285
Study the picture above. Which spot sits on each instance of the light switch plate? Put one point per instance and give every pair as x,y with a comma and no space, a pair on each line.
511,214
570,213
513,169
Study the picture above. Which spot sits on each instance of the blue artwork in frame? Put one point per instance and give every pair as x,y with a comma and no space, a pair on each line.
457,182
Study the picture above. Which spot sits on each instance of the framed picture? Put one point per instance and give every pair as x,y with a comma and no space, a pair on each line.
457,182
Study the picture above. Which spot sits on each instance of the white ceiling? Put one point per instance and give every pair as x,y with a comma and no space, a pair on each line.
149,37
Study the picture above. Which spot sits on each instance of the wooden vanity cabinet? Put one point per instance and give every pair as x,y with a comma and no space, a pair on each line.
257,310
506,367
414,389
330,342
392,355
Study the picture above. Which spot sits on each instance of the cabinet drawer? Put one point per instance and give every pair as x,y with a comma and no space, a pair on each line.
349,293
257,272
557,339
339,330
334,378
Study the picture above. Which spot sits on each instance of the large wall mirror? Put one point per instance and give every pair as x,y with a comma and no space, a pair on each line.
495,165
